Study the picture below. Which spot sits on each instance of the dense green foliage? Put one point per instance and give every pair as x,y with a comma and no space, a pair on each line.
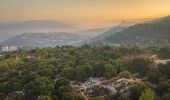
147,95
141,92
45,74
125,74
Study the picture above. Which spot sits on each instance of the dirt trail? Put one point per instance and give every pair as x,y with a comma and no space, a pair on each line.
162,61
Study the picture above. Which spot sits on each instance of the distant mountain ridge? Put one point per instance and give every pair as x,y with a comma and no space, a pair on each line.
35,24
153,31
10,29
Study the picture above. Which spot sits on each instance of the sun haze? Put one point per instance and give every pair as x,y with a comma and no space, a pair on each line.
82,11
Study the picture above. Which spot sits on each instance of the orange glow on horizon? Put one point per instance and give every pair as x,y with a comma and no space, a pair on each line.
83,11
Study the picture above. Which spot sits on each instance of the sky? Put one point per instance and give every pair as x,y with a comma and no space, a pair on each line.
96,12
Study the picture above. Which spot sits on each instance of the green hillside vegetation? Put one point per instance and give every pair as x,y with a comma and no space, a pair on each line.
155,31
45,74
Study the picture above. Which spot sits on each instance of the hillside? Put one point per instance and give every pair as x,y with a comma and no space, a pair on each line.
155,31
45,39
105,34
52,39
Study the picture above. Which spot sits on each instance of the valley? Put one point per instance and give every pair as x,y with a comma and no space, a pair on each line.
147,32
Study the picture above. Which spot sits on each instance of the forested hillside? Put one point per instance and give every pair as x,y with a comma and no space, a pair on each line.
46,74
155,31
105,34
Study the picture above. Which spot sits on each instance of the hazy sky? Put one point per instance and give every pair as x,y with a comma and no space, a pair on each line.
82,11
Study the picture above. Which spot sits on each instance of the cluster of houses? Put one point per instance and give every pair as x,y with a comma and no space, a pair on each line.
10,48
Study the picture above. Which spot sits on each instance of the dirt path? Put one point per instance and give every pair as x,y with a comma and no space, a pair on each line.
162,61
117,79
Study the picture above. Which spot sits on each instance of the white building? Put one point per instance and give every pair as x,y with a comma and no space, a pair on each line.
10,48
